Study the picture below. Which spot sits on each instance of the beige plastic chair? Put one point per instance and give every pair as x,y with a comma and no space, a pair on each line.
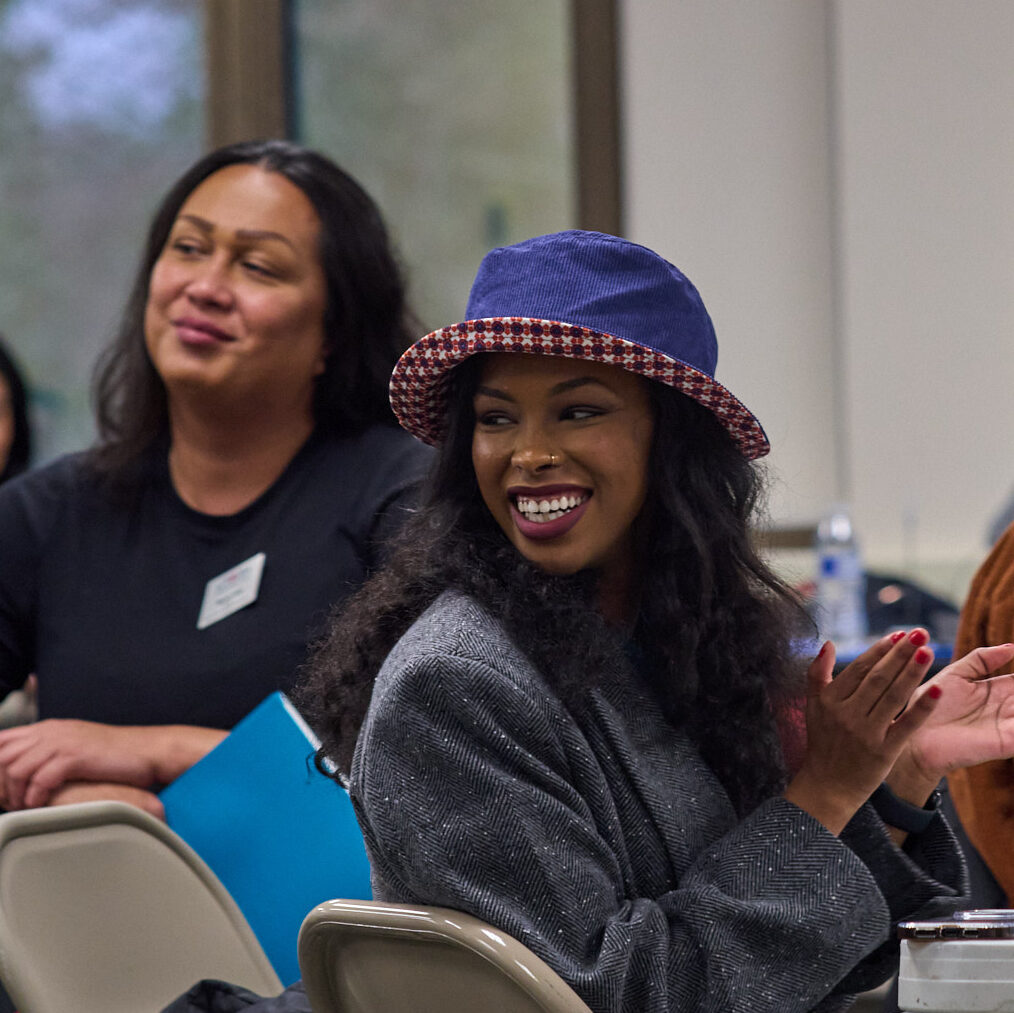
367,957
103,909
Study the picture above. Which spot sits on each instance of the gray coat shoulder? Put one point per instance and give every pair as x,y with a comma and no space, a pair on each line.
457,645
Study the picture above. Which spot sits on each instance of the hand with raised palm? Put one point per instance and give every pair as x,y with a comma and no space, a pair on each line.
973,720
858,725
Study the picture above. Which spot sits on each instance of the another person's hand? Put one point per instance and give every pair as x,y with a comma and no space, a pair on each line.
858,724
973,722
37,759
87,791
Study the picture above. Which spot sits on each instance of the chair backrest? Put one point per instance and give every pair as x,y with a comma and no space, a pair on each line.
367,957
103,909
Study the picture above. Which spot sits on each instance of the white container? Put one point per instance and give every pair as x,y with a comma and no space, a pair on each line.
961,966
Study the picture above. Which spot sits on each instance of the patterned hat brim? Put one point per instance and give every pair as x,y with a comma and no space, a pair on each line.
418,394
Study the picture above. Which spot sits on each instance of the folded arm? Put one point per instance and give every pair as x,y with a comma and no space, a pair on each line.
106,791
38,760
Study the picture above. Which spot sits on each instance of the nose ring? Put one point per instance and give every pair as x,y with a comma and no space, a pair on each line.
552,460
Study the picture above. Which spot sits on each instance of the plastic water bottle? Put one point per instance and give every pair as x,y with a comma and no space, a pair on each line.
841,584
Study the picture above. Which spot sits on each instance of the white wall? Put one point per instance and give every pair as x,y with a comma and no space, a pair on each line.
926,143
838,180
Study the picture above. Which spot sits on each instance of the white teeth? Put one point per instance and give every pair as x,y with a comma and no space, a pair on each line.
542,510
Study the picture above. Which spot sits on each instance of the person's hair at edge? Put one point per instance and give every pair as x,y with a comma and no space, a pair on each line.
367,321
21,449
714,622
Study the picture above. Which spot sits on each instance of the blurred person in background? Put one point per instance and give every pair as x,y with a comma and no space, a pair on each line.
247,473
984,794
15,457
15,432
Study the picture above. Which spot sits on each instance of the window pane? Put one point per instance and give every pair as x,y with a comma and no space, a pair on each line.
455,116
100,109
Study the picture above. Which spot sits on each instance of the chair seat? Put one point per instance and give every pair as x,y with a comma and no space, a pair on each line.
368,957
103,909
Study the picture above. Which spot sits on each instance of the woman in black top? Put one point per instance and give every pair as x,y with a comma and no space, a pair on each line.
248,471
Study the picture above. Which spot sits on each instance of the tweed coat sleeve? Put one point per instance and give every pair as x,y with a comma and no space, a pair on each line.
478,791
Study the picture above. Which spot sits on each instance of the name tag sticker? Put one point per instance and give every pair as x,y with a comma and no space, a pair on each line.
231,591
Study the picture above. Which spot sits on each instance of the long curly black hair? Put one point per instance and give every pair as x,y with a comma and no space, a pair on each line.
714,624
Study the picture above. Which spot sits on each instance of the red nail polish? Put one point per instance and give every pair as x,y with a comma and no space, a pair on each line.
922,656
934,692
895,637
823,648
918,637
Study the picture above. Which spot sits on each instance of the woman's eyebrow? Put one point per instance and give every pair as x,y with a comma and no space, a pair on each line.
246,234
493,392
249,234
202,223
578,381
560,388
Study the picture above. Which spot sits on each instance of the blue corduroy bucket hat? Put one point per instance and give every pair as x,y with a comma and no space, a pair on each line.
582,295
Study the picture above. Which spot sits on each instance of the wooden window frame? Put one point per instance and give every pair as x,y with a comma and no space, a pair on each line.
251,92
247,54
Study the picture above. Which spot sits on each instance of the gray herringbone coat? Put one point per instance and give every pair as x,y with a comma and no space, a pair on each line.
609,848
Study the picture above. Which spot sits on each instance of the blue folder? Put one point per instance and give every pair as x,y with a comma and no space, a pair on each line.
280,835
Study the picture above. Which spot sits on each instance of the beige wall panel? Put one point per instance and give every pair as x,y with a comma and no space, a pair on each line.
926,147
726,173
838,177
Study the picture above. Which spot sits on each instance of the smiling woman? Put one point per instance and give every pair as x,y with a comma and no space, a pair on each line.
569,705
237,297
560,452
245,436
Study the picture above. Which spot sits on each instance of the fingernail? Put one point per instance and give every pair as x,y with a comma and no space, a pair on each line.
934,692
922,656
823,648
895,637
918,637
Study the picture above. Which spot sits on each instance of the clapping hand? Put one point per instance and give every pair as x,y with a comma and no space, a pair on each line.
859,723
973,720
877,720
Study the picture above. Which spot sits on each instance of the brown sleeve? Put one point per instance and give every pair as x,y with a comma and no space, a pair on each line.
984,795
